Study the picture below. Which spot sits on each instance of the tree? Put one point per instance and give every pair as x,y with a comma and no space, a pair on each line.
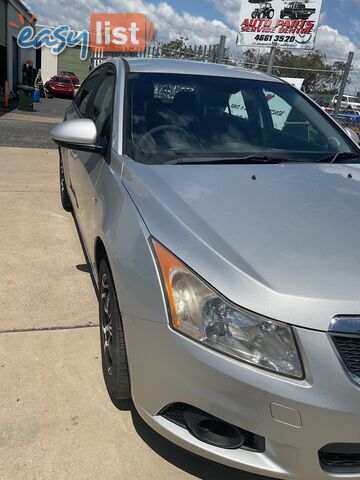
334,78
254,59
319,76
177,44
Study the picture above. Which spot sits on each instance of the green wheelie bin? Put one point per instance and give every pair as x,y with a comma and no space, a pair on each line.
26,94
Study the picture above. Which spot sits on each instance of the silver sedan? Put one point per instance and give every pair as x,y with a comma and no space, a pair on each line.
220,212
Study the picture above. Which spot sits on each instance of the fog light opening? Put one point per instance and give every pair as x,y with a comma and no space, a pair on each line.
213,431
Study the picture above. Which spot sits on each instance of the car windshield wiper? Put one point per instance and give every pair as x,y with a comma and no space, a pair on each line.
339,156
251,159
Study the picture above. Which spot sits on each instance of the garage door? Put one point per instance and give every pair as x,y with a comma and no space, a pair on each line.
70,60
2,23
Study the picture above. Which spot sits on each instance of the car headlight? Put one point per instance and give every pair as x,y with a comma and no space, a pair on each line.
201,313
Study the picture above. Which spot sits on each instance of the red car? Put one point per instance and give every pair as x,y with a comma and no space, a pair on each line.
60,86
73,77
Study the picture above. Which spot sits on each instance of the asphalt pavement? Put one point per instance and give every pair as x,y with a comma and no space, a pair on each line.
32,129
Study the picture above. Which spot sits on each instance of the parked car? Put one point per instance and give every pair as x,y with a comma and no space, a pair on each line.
347,102
349,118
297,11
350,111
73,77
265,10
219,211
60,86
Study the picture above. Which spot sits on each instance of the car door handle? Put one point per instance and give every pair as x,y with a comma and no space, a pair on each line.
95,200
74,154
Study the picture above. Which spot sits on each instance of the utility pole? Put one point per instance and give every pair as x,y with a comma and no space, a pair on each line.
221,50
271,60
343,84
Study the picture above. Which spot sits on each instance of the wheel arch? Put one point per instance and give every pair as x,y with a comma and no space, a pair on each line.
100,253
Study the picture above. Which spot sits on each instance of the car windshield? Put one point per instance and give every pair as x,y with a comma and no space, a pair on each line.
354,99
172,116
62,80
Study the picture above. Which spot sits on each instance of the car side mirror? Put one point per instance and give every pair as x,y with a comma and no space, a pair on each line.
79,134
353,135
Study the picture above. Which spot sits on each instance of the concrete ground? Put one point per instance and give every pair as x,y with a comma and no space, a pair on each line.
56,419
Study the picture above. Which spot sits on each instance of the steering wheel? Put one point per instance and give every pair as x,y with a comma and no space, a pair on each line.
147,142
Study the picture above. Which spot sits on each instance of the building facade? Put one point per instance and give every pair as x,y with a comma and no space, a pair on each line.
13,16
68,60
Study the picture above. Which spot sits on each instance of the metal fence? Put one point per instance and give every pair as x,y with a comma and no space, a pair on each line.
201,53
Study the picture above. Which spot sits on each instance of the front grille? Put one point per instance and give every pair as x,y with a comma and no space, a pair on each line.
340,458
175,413
348,348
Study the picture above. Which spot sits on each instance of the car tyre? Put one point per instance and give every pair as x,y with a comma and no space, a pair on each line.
112,338
64,195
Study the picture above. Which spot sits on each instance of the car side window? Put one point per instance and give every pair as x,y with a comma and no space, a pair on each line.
82,99
102,104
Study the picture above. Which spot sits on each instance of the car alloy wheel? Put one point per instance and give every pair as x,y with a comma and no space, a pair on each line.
106,324
112,338
64,195
62,180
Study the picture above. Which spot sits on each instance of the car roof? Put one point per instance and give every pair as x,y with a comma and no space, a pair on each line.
61,77
191,67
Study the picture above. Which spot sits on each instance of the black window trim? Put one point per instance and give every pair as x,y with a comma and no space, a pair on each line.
110,66
97,69
125,127
104,67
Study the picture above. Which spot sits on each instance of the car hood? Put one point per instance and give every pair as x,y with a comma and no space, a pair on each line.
282,240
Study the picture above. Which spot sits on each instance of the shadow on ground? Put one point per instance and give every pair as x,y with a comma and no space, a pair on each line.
84,267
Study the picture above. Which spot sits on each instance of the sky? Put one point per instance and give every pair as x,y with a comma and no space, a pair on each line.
203,21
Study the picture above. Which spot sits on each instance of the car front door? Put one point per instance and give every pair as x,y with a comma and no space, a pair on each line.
89,164
80,108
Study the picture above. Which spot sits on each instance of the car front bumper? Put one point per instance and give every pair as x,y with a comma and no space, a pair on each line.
297,418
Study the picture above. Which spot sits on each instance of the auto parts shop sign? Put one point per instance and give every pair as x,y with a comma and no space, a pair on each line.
283,23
